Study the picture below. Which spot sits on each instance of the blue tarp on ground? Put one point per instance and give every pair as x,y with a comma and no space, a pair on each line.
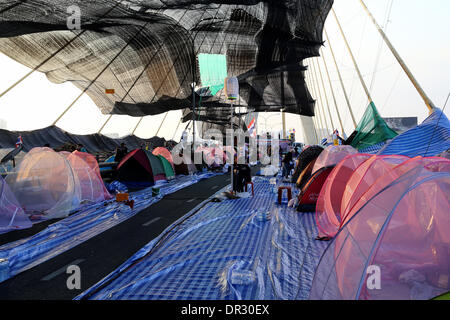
428,139
222,251
81,226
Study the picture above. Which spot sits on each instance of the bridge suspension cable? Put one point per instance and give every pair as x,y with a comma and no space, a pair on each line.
426,99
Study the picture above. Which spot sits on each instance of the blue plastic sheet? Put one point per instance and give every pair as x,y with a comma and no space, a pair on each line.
90,221
428,139
224,251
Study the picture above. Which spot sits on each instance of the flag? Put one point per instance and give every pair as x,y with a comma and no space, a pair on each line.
19,142
252,128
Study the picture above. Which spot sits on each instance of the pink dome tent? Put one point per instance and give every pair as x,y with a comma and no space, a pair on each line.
400,234
384,180
90,160
12,216
364,177
328,208
332,155
88,178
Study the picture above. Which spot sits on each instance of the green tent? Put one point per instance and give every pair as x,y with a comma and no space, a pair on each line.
444,297
157,166
371,130
168,170
213,71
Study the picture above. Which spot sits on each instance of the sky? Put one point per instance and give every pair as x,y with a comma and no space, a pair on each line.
418,29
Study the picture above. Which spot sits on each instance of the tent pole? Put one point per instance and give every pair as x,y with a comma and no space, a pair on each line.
341,81
332,92
405,68
325,94
361,79
137,125
104,124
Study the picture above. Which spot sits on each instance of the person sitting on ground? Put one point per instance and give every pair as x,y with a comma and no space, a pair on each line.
121,152
81,148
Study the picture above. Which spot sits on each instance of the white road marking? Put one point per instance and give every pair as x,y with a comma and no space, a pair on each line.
61,271
193,199
150,222
215,187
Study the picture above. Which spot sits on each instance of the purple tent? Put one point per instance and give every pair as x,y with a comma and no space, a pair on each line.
12,216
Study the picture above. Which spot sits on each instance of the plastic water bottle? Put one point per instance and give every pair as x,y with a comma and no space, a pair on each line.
263,216
242,277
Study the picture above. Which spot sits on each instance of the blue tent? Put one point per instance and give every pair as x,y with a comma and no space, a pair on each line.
430,138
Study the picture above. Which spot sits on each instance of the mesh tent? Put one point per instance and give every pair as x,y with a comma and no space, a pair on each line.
364,177
428,139
88,177
45,184
403,232
328,208
371,130
147,50
383,182
332,155
12,216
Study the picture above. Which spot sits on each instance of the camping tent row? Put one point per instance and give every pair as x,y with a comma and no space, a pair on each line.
315,164
389,218
312,170
141,168
47,185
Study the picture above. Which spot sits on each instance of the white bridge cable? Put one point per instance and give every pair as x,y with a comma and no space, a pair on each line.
347,100
319,95
332,91
408,72
326,95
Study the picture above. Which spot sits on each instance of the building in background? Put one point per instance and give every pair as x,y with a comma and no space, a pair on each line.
401,125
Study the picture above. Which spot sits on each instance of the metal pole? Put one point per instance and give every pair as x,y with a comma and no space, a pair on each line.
426,99
332,92
341,81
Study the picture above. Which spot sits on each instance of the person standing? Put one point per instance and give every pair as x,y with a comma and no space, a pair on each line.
287,164
121,152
